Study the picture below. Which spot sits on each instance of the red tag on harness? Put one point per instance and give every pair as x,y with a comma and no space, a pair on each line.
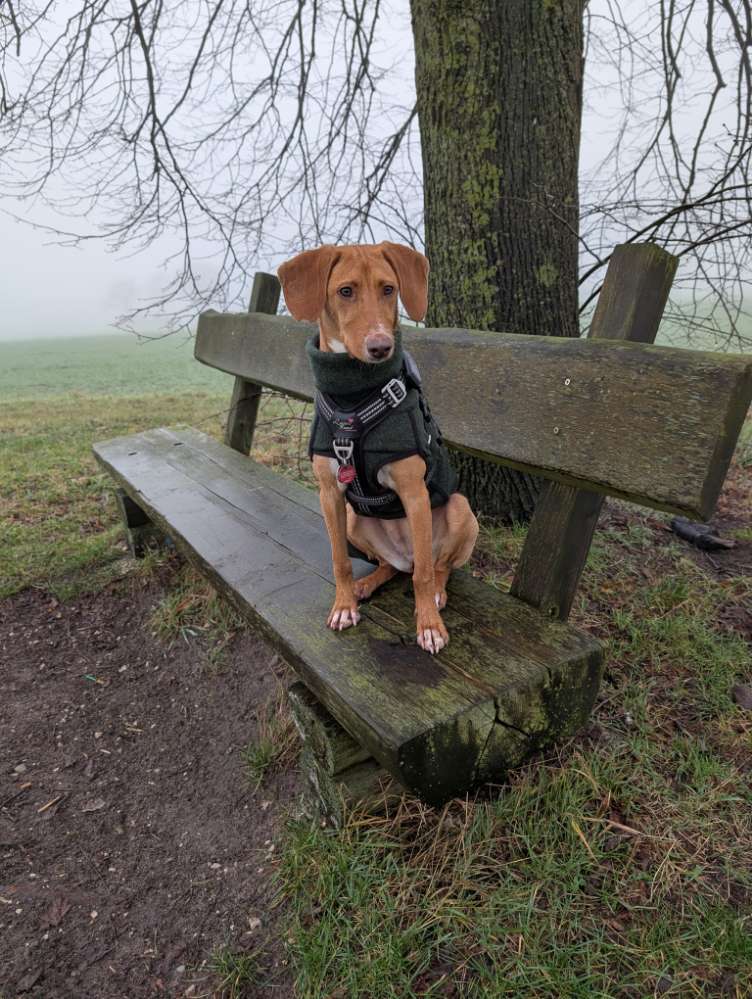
345,473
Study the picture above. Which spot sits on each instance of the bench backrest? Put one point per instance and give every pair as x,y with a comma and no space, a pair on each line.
655,425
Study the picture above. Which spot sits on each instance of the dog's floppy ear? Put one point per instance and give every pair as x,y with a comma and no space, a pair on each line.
411,269
304,280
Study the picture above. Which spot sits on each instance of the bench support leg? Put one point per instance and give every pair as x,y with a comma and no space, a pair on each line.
339,772
630,307
140,532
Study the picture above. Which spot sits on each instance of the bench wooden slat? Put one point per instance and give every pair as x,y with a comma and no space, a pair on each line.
507,677
654,425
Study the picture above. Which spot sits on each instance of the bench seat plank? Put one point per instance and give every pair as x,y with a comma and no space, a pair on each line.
654,425
509,680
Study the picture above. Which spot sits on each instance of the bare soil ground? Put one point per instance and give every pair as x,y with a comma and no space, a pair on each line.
132,845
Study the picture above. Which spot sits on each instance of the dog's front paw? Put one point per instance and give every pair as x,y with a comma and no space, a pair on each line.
432,635
344,613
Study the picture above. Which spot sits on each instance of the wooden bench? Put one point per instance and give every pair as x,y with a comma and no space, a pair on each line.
595,417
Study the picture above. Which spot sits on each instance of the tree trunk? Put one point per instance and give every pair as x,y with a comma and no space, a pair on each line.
499,88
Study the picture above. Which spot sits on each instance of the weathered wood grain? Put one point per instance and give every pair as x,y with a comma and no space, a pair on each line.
556,548
428,720
246,395
630,307
634,294
242,415
548,405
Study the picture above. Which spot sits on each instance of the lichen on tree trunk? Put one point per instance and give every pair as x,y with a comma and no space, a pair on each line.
499,89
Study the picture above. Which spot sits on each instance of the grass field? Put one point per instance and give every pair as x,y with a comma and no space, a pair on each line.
58,528
116,365
618,866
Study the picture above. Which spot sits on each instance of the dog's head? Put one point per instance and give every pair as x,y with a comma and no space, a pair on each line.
351,291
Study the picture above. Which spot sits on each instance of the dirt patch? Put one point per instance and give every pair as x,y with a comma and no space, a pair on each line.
131,844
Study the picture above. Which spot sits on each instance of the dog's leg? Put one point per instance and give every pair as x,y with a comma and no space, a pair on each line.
459,532
365,587
365,534
407,478
345,610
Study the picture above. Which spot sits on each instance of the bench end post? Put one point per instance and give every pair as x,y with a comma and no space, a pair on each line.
140,533
246,395
630,307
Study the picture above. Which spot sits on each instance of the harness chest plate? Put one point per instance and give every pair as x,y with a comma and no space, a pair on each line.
392,422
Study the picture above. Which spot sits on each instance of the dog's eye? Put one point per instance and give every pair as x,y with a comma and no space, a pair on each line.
388,289
346,291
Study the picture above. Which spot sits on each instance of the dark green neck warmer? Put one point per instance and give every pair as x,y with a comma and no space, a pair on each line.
342,376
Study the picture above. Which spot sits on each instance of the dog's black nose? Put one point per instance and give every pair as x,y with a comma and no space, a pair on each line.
379,346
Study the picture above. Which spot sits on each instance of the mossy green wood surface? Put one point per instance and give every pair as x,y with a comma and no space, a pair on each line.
366,783
508,675
545,404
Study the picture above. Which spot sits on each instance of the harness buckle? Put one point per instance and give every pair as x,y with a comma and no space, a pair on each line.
394,392
343,452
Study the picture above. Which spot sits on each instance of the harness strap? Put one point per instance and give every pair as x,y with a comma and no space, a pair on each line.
372,411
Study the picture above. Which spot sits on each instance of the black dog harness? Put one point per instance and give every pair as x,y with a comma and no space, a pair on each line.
368,415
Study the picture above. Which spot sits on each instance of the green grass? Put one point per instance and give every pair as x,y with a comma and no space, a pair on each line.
59,518
115,365
191,608
274,746
236,973
538,893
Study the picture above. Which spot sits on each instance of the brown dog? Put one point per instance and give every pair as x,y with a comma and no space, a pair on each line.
351,291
